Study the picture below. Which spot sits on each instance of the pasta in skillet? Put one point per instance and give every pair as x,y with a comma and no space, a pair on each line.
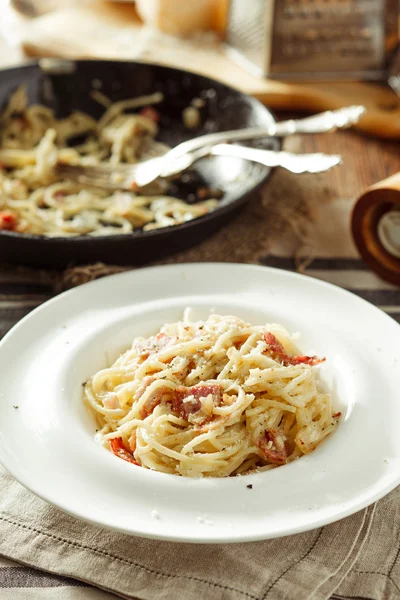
34,200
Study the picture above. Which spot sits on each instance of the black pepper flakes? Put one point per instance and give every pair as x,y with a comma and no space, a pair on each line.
250,486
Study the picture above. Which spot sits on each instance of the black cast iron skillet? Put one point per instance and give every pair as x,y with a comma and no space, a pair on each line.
225,108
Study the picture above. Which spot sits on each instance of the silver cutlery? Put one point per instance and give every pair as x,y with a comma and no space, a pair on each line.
149,170
316,162
123,176
328,121
185,154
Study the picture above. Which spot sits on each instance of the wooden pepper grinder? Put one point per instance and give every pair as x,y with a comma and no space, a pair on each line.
375,226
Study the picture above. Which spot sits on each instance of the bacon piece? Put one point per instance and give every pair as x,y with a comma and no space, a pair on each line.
132,441
274,345
184,409
276,348
159,395
118,448
152,401
111,402
184,400
8,220
155,399
143,386
306,360
150,113
152,345
273,447
134,186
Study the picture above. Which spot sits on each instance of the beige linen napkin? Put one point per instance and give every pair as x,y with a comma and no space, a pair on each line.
303,566
376,572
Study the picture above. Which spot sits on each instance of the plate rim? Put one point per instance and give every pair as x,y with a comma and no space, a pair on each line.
238,537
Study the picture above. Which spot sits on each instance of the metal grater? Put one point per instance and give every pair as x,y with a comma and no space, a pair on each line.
314,39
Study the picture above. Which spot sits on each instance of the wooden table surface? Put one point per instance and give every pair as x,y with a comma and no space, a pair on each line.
366,160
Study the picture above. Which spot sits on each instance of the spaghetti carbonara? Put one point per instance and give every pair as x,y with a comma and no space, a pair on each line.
34,200
211,398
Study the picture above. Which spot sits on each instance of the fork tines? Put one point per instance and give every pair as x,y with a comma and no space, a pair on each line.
104,175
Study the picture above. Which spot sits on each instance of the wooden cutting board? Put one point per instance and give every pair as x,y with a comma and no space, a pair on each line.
106,30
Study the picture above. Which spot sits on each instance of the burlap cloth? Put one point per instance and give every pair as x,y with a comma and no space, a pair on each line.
293,221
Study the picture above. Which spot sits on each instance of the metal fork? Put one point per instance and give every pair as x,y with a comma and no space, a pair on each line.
148,171
122,177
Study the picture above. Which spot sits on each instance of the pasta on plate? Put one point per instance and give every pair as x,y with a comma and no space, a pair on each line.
211,398
34,200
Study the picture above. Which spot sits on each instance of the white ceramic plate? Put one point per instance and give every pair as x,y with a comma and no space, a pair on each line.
47,442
